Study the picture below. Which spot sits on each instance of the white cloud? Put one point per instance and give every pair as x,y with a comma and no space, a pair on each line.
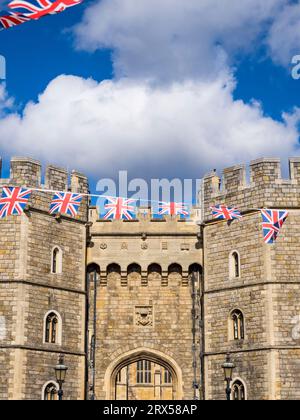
174,113
284,35
6,103
168,40
180,130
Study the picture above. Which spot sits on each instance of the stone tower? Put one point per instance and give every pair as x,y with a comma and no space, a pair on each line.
258,282
42,288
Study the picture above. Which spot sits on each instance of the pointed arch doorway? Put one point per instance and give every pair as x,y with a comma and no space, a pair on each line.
144,374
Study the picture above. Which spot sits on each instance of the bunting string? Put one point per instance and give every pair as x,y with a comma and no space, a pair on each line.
15,199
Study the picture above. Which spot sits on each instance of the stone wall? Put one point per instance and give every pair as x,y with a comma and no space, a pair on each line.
252,368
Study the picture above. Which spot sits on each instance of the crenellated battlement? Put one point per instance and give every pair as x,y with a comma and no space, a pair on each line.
144,222
27,172
266,187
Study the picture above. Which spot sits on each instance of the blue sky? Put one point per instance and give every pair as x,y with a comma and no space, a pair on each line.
172,97
38,52
269,83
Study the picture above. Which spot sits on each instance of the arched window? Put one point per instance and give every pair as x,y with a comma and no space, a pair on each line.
234,265
52,328
238,391
56,260
238,325
50,392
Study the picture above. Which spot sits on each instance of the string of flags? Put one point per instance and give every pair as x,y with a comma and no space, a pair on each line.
25,11
14,200
272,220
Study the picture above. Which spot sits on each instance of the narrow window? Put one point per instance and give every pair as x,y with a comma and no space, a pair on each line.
235,270
148,378
56,263
236,264
139,372
167,377
144,372
50,393
238,325
238,391
51,329
119,376
54,260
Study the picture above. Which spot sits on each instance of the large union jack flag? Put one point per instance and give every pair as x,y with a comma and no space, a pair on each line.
118,208
13,201
273,221
222,212
173,209
65,203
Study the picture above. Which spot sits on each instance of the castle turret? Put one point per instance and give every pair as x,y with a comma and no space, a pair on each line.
252,289
42,288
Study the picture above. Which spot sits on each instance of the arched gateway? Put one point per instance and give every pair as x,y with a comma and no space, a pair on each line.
143,374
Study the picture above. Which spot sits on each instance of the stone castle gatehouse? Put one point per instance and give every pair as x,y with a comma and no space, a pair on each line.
148,309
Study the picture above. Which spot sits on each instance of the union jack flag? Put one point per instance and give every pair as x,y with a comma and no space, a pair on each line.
13,201
118,208
173,209
38,8
65,203
222,212
25,11
7,20
273,221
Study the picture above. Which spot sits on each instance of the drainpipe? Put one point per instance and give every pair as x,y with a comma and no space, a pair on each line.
194,348
201,318
86,344
93,396
87,310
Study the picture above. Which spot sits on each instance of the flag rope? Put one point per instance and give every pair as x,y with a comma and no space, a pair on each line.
99,195
136,199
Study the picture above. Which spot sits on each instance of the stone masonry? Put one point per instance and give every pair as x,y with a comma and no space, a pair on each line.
137,275
28,289
267,291
161,291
